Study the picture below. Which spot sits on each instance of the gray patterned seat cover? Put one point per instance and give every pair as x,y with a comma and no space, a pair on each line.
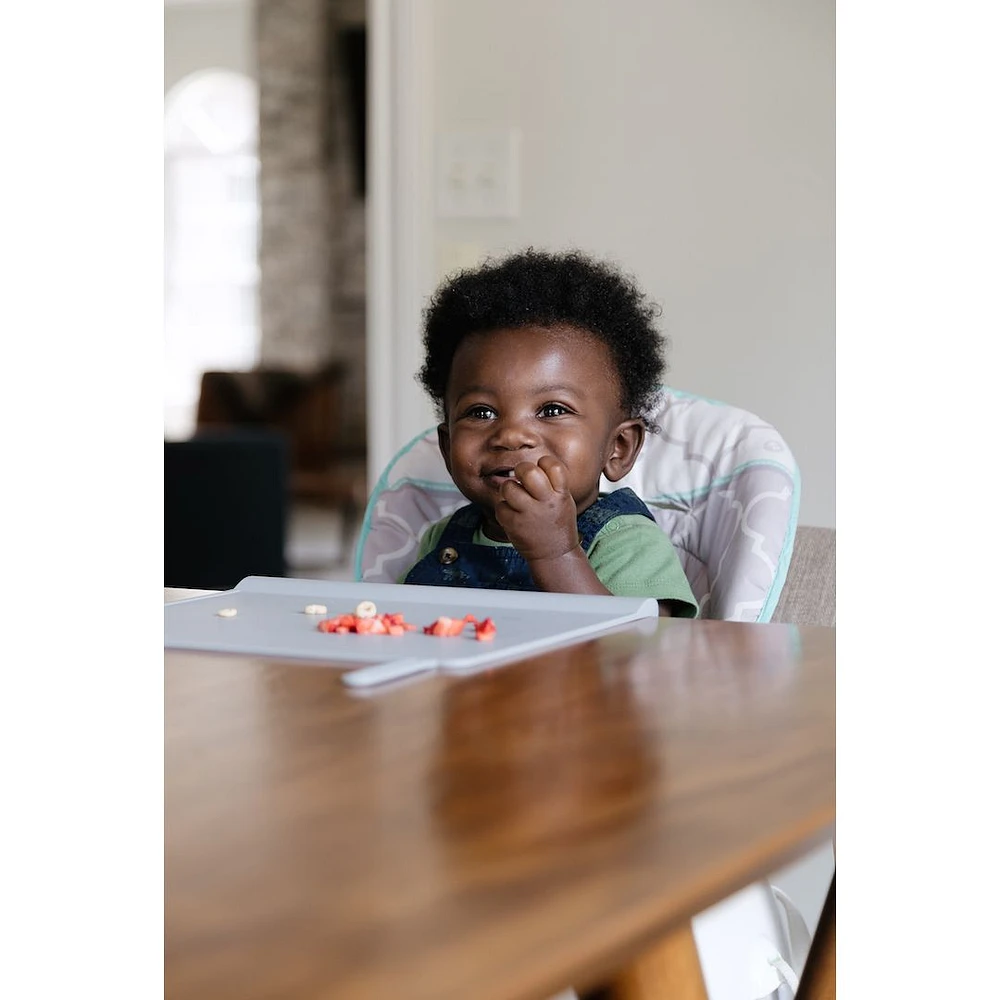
720,481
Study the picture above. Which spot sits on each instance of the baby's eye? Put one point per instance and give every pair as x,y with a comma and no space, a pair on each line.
480,413
553,410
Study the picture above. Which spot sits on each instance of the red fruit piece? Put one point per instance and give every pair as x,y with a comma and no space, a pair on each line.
370,626
387,624
437,627
445,626
486,630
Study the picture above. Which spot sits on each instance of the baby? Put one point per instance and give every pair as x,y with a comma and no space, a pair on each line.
544,368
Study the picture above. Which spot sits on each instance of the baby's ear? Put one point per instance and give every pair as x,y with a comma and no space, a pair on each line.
626,443
444,444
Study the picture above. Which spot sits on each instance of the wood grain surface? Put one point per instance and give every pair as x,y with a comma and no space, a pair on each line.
498,836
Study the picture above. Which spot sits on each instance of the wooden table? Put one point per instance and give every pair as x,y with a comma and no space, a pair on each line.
499,836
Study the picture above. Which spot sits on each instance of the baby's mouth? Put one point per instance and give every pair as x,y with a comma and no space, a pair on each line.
497,476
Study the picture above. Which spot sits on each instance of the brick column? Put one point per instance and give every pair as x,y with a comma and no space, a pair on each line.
312,219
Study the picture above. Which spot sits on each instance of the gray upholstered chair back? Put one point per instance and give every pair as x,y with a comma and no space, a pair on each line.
809,596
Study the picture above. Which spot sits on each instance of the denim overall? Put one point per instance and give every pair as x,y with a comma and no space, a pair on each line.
457,562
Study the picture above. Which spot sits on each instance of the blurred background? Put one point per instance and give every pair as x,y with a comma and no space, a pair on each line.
265,298
328,161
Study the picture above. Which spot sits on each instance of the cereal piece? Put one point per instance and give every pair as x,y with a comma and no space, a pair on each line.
315,609
366,609
227,612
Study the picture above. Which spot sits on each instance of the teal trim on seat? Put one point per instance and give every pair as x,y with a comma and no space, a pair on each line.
366,522
781,572
784,560
722,480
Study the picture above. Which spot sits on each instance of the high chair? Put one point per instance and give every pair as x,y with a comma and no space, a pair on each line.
723,484
719,481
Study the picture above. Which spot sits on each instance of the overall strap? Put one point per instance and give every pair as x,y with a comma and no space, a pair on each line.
461,526
607,508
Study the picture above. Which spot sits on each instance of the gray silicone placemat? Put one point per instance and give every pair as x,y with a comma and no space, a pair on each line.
271,621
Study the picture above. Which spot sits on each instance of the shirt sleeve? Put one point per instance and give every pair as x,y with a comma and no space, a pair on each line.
633,557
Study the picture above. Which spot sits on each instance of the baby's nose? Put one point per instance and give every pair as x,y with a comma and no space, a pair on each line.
513,432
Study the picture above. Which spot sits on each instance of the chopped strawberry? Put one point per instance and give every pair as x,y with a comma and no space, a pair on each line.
370,626
486,630
395,623
445,626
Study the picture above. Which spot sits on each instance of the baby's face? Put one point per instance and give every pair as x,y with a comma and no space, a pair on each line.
516,395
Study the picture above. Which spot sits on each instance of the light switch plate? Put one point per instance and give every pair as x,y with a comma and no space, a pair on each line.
478,173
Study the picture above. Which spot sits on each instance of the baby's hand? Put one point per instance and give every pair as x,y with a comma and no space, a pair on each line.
538,513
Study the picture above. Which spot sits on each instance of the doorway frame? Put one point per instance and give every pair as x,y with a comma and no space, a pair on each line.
399,258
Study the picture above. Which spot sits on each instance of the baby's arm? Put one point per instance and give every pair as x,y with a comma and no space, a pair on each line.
539,516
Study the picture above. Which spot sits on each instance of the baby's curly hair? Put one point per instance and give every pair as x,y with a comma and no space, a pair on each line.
536,288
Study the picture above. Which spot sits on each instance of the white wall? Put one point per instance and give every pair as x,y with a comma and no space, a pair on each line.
208,35
693,142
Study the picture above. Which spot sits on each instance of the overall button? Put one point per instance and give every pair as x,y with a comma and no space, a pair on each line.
448,556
